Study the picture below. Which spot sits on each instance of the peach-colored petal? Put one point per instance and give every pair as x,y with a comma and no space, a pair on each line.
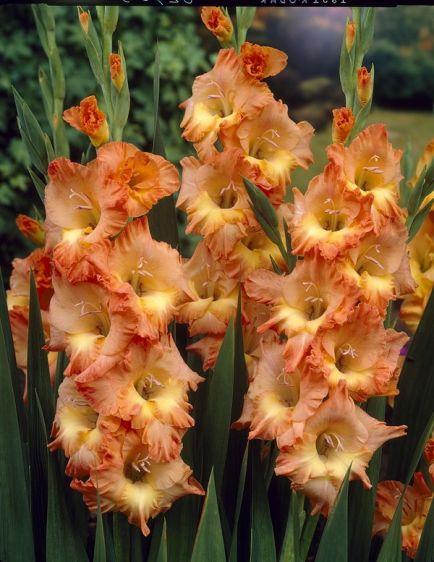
221,97
261,62
215,295
379,265
371,166
147,177
88,119
338,435
329,218
218,23
273,145
130,482
314,295
149,390
359,351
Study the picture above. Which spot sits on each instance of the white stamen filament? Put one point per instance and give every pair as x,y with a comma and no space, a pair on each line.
348,349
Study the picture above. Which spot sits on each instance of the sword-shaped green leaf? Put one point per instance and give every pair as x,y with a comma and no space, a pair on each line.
334,540
209,544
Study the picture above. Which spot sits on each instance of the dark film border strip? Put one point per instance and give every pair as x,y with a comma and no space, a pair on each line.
233,3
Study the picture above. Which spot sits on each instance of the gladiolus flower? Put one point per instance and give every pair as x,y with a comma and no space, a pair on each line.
79,431
277,403
262,62
337,436
314,295
31,229
251,253
343,123
364,85
117,74
215,200
417,501
82,208
422,256
371,166
218,23
273,145
329,218
380,266
129,481
150,391
146,177
350,34
89,323
215,295
146,274
424,162
221,97
89,119
361,352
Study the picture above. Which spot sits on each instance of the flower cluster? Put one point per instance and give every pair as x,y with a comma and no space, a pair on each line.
123,405
314,337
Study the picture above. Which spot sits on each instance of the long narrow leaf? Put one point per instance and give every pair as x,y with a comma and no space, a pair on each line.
13,369
209,544
362,501
262,546
217,418
99,552
334,540
38,383
290,551
16,536
121,538
413,405
233,554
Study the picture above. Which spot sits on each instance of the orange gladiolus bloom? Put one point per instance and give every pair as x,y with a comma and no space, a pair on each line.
221,97
262,62
251,253
79,431
359,351
339,434
277,403
149,391
87,117
343,123
371,166
129,481
146,177
314,295
215,200
380,266
214,295
273,145
89,323
146,274
424,162
82,208
328,218
417,501
19,293
218,23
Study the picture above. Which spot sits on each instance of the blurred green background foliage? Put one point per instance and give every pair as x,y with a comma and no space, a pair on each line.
403,54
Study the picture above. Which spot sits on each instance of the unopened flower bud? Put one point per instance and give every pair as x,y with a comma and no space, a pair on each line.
218,23
343,123
84,21
350,34
116,71
89,119
364,85
31,229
